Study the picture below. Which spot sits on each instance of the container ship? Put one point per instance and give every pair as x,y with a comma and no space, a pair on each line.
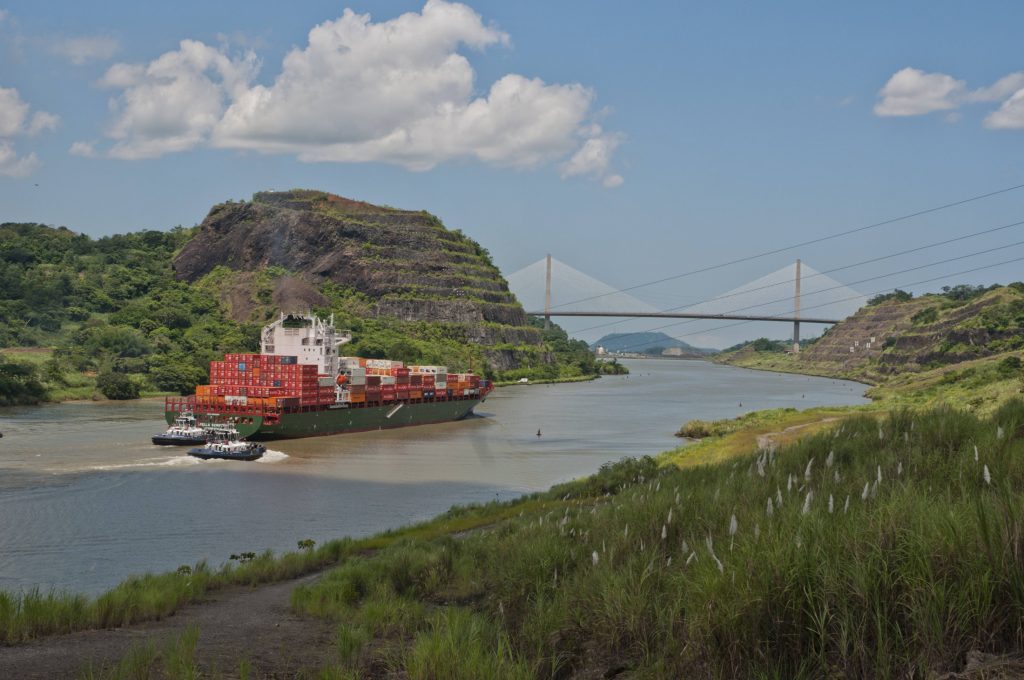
300,385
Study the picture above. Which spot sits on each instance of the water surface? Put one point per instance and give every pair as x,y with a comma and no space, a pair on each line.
86,500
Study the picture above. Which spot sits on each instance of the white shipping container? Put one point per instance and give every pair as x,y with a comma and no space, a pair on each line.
387,380
431,370
238,401
357,380
326,382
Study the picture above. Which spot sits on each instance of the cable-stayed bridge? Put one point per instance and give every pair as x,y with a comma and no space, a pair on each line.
774,298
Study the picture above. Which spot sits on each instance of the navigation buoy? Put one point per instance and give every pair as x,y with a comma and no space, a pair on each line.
538,433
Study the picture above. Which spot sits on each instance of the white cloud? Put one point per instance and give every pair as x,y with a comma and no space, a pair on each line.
397,91
1000,90
1009,116
16,121
612,181
84,49
13,165
172,103
13,112
594,159
42,121
3,15
83,149
912,92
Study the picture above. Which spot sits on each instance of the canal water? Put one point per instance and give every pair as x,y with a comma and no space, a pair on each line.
86,500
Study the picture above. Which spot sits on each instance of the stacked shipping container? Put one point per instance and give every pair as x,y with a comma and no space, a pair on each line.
275,381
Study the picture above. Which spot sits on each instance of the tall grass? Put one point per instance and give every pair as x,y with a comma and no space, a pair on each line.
176,661
887,551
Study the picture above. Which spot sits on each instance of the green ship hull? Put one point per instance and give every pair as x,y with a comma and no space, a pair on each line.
334,420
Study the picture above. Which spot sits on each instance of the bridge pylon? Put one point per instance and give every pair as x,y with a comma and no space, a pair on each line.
796,311
547,296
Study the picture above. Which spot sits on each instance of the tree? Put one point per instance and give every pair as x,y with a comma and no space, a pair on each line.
175,373
117,386
19,384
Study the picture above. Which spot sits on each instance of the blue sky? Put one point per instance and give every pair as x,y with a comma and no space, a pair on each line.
631,141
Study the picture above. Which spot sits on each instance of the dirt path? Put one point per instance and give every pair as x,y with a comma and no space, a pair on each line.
770,440
234,624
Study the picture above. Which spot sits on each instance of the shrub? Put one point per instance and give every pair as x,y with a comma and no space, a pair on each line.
117,386
1008,367
926,315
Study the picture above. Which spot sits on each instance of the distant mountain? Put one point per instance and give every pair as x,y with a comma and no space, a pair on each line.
642,342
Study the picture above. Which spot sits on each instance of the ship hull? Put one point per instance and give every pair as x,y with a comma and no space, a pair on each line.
328,421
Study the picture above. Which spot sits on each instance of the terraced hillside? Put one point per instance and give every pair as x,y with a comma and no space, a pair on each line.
326,251
901,336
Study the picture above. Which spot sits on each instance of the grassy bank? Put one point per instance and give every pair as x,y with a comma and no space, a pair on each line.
866,550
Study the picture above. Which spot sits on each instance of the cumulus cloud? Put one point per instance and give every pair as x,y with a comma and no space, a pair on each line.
397,91
18,120
172,103
84,49
594,159
83,149
1009,116
1000,90
912,92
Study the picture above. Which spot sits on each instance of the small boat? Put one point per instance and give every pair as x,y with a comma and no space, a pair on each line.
184,431
226,444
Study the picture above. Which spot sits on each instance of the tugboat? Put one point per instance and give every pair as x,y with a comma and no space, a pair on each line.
184,431
225,443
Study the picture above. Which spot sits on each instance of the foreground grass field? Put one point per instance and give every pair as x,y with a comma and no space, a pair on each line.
874,549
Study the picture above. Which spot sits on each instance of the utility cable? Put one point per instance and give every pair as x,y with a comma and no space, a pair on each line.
821,273
801,244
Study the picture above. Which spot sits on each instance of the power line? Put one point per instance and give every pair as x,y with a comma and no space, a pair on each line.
856,297
827,271
800,245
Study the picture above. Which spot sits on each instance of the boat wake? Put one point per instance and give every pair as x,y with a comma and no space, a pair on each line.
173,461
271,456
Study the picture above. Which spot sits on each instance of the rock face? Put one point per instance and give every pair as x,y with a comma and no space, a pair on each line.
407,263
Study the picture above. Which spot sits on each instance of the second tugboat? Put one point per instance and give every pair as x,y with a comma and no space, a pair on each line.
225,443
184,431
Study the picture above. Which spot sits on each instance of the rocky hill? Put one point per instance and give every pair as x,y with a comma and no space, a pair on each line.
389,263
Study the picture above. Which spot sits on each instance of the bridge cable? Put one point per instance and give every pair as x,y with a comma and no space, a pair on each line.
799,245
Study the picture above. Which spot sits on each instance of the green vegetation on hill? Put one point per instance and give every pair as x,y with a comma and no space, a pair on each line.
108,306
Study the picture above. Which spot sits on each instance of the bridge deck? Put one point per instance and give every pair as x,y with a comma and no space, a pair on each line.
683,315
